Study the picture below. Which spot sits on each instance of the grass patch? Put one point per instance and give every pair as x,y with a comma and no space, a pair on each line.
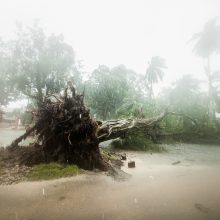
52,171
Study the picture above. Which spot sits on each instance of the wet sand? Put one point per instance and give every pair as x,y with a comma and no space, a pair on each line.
156,190
8,135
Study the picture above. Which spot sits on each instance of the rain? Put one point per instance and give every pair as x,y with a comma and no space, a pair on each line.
109,109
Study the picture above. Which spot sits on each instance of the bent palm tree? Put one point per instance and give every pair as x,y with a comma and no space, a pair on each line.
208,40
208,43
154,72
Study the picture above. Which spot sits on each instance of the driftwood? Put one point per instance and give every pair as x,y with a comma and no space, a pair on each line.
131,164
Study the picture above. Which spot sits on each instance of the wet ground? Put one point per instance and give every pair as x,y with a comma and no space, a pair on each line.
183,183
8,135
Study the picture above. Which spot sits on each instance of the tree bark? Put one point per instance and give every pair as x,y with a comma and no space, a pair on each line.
68,134
113,129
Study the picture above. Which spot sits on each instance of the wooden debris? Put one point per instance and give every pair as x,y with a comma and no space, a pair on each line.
123,157
176,162
120,128
131,164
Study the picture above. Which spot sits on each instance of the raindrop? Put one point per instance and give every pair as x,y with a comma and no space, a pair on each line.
43,192
151,177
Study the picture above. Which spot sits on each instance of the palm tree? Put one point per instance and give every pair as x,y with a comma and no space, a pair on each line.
208,40
208,43
154,72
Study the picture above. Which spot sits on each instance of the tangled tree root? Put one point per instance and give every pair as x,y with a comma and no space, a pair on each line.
65,133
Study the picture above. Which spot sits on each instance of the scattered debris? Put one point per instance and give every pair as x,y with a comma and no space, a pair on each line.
201,208
11,175
61,198
123,157
176,162
131,164
118,174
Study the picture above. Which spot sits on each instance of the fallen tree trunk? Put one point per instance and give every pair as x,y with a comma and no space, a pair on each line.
77,141
113,129
66,133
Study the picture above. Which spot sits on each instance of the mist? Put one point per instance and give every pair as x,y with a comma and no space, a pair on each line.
109,109
120,32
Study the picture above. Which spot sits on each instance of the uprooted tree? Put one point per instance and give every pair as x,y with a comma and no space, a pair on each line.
66,133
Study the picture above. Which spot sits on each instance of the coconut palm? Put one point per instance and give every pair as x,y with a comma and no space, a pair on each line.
154,72
208,40
208,43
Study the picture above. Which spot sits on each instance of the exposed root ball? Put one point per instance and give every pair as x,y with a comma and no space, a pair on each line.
65,133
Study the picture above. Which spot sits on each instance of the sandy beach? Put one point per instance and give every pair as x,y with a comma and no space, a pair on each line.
158,188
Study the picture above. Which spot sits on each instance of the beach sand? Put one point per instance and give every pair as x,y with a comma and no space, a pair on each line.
156,189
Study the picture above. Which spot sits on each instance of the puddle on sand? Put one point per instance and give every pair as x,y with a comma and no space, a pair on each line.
154,189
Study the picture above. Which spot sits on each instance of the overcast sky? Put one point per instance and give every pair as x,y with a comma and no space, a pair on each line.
116,32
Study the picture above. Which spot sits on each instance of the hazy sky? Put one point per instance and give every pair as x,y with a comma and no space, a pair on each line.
116,32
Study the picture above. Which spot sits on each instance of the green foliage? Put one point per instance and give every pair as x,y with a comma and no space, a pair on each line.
52,171
4,95
185,98
108,89
38,64
35,64
137,143
118,93
154,72
207,43
208,40
5,89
